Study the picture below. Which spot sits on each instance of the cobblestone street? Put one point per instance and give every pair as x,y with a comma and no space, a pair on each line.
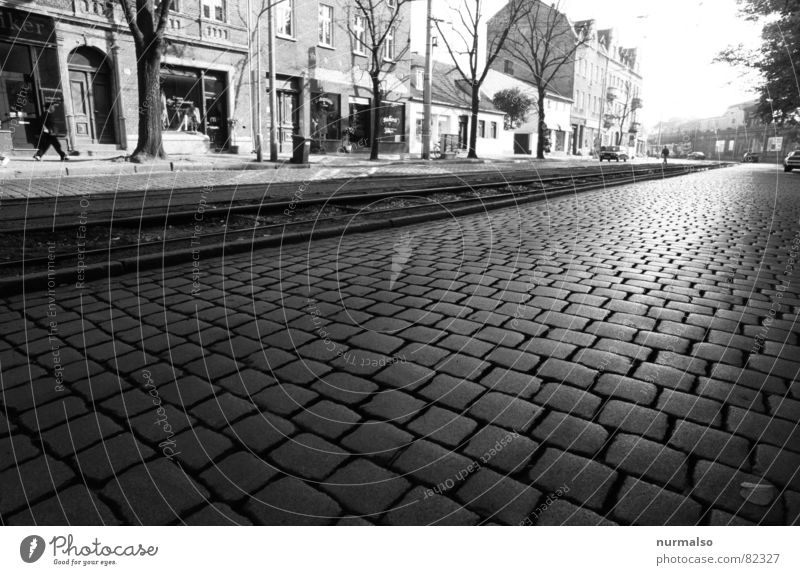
625,356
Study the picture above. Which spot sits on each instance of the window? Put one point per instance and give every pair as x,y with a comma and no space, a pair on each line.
326,25
214,9
481,128
494,130
389,46
360,34
420,79
284,18
508,67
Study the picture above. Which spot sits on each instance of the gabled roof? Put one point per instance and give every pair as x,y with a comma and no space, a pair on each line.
449,87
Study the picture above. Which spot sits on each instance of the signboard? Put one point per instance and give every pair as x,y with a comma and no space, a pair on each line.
19,25
775,144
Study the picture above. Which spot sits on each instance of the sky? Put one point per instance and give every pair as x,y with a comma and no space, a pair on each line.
677,41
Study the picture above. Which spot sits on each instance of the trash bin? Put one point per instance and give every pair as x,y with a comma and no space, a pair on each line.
301,146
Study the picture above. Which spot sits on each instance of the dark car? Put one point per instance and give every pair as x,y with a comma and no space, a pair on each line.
613,153
696,156
750,157
791,161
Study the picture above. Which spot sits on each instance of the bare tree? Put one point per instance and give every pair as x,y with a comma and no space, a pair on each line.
464,48
148,22
544,40
627,107
377,37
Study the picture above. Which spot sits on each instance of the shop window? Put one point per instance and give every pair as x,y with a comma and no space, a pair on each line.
392,122
214,9
326,25
325,115
360,35
284,18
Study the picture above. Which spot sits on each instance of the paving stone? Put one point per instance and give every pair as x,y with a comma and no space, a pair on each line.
498,336
309,456
261,432
106,460
284,399
748,378
378,342
160,424
731,394
495,447
405,375
662,341
328,419
452,392
443,426
497,497
626,388
290,501
75,505
36,394
79,433
432,464
634,419
721,487
572,433
683,363
505,411
763,429
238,476
421,506
394,407
378,440
16,449
217,514
665,376
567,372
569,399
691,407
562,512
365,488
53,414
783,407
459,365
511,382
156,494
467,345
643,458
223,410
640,503
781,467
724,519
345,388
301,372
583,480
423,354
197,447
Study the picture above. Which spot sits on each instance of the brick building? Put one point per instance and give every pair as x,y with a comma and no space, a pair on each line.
80,53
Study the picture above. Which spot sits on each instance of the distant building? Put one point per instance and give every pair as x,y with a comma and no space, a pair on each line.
726,137
608,94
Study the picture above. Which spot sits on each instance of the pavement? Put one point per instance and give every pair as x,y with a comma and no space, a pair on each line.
23,178
624,356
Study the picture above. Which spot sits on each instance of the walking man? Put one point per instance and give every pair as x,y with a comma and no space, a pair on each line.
665,154
47,135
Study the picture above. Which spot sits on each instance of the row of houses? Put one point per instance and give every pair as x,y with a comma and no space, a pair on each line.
729,136
80,53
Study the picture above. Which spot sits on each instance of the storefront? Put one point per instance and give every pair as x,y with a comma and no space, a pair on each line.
326,130
196,101
30,77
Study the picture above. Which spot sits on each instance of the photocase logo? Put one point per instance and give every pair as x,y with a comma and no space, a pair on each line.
401,255
31,548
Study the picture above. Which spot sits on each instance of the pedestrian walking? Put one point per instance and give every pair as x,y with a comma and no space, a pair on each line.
47,135
665,154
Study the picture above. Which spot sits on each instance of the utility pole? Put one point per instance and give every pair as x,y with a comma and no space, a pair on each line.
253,96
428,88
259,138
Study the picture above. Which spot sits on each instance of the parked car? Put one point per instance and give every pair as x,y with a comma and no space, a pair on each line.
696,156
613,153
791,161
750,157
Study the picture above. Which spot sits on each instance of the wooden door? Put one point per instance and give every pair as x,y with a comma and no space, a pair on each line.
102,114
81,106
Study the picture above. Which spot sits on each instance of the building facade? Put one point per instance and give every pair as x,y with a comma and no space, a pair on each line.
81,55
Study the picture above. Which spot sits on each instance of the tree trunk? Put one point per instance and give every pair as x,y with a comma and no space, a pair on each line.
542,125
376,117
473,132
148,70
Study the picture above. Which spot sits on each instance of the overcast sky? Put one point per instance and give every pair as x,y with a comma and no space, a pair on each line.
677,41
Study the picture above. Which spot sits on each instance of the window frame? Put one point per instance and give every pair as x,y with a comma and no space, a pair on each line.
281,8
360,35
213,6
320,21
389,45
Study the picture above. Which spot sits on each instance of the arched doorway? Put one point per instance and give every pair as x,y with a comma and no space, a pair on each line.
92,94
